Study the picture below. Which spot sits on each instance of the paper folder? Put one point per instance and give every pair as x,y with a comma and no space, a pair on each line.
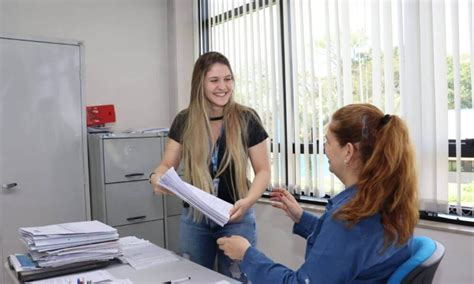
48,272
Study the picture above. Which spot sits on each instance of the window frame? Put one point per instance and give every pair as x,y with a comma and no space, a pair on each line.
467,145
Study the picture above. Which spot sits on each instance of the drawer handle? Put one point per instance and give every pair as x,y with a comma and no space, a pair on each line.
9,185
134,175
136,218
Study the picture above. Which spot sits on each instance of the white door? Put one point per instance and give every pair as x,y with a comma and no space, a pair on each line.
43,174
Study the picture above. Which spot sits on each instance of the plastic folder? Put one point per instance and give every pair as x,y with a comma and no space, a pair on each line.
43,273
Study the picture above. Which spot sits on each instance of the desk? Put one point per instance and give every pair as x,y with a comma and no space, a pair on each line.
159,273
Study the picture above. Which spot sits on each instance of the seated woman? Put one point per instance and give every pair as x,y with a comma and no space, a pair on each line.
364,234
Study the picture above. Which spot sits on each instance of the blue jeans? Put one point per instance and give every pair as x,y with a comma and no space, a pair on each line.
198,241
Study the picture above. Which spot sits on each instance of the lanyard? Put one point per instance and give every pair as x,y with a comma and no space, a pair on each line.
215,153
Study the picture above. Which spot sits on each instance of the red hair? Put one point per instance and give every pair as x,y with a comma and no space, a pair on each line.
388,182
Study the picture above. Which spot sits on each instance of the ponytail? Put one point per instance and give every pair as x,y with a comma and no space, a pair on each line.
388,182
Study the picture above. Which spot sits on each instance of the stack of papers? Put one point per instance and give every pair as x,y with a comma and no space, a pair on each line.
147,130
62,244
141,254
213,207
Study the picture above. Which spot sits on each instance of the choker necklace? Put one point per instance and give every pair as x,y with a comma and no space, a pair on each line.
216,118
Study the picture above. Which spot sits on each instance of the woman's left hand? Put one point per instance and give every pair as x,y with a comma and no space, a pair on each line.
239,209
234,246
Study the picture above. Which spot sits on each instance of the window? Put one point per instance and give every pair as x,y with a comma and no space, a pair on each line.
296,62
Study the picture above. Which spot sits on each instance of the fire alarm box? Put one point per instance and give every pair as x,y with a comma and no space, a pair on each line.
99,115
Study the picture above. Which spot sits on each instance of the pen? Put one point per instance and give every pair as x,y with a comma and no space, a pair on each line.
177,280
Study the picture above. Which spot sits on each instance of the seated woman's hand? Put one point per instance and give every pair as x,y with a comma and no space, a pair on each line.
234,246
283,199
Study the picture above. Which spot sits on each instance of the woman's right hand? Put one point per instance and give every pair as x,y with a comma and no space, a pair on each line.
285,201
157,189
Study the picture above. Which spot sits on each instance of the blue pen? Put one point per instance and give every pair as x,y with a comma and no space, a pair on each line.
78,281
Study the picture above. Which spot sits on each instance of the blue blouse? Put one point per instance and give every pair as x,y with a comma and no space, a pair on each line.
334,253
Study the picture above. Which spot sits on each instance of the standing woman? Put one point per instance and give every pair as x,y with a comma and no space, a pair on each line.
214,137
364,234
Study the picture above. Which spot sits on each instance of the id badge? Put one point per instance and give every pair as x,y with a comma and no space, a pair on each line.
215,186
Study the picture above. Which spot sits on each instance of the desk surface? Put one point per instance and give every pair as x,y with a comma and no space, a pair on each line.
167,272
160,273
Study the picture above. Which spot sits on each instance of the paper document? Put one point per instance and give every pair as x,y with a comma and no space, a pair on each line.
213,207
70,229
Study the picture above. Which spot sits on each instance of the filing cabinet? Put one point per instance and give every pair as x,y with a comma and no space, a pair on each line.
173,209
174,206
119,165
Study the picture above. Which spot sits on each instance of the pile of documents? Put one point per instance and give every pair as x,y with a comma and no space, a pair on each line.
62,244
141,254
213,207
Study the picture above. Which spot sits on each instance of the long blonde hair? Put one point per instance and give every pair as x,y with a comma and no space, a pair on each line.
196,139
388,182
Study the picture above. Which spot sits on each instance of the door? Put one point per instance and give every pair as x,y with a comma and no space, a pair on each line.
42,150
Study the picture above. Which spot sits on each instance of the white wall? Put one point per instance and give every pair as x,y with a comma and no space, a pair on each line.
127,58
181,44
276,240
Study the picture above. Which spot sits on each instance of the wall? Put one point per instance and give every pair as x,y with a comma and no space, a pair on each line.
181,42
275,239
127,58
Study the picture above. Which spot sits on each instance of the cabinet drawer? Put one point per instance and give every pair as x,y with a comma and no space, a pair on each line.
151,231
132,202
172,233
174,205
128,159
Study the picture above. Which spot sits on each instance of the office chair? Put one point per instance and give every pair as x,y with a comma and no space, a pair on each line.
426,254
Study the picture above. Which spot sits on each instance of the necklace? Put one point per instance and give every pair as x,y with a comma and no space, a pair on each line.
216,118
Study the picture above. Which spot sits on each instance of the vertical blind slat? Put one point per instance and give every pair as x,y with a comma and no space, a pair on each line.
376,52
320,134
471,40
441,93
457,95
234,33
304,97
428,175
283,125
330,95
275,111
209,25
388,56
337,33
247,64
346,52
312,104
253,49
295,100
401,48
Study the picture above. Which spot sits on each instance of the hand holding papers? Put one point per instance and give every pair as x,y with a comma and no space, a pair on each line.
214,208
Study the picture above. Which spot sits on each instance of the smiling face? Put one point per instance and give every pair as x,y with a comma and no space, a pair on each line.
218,87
